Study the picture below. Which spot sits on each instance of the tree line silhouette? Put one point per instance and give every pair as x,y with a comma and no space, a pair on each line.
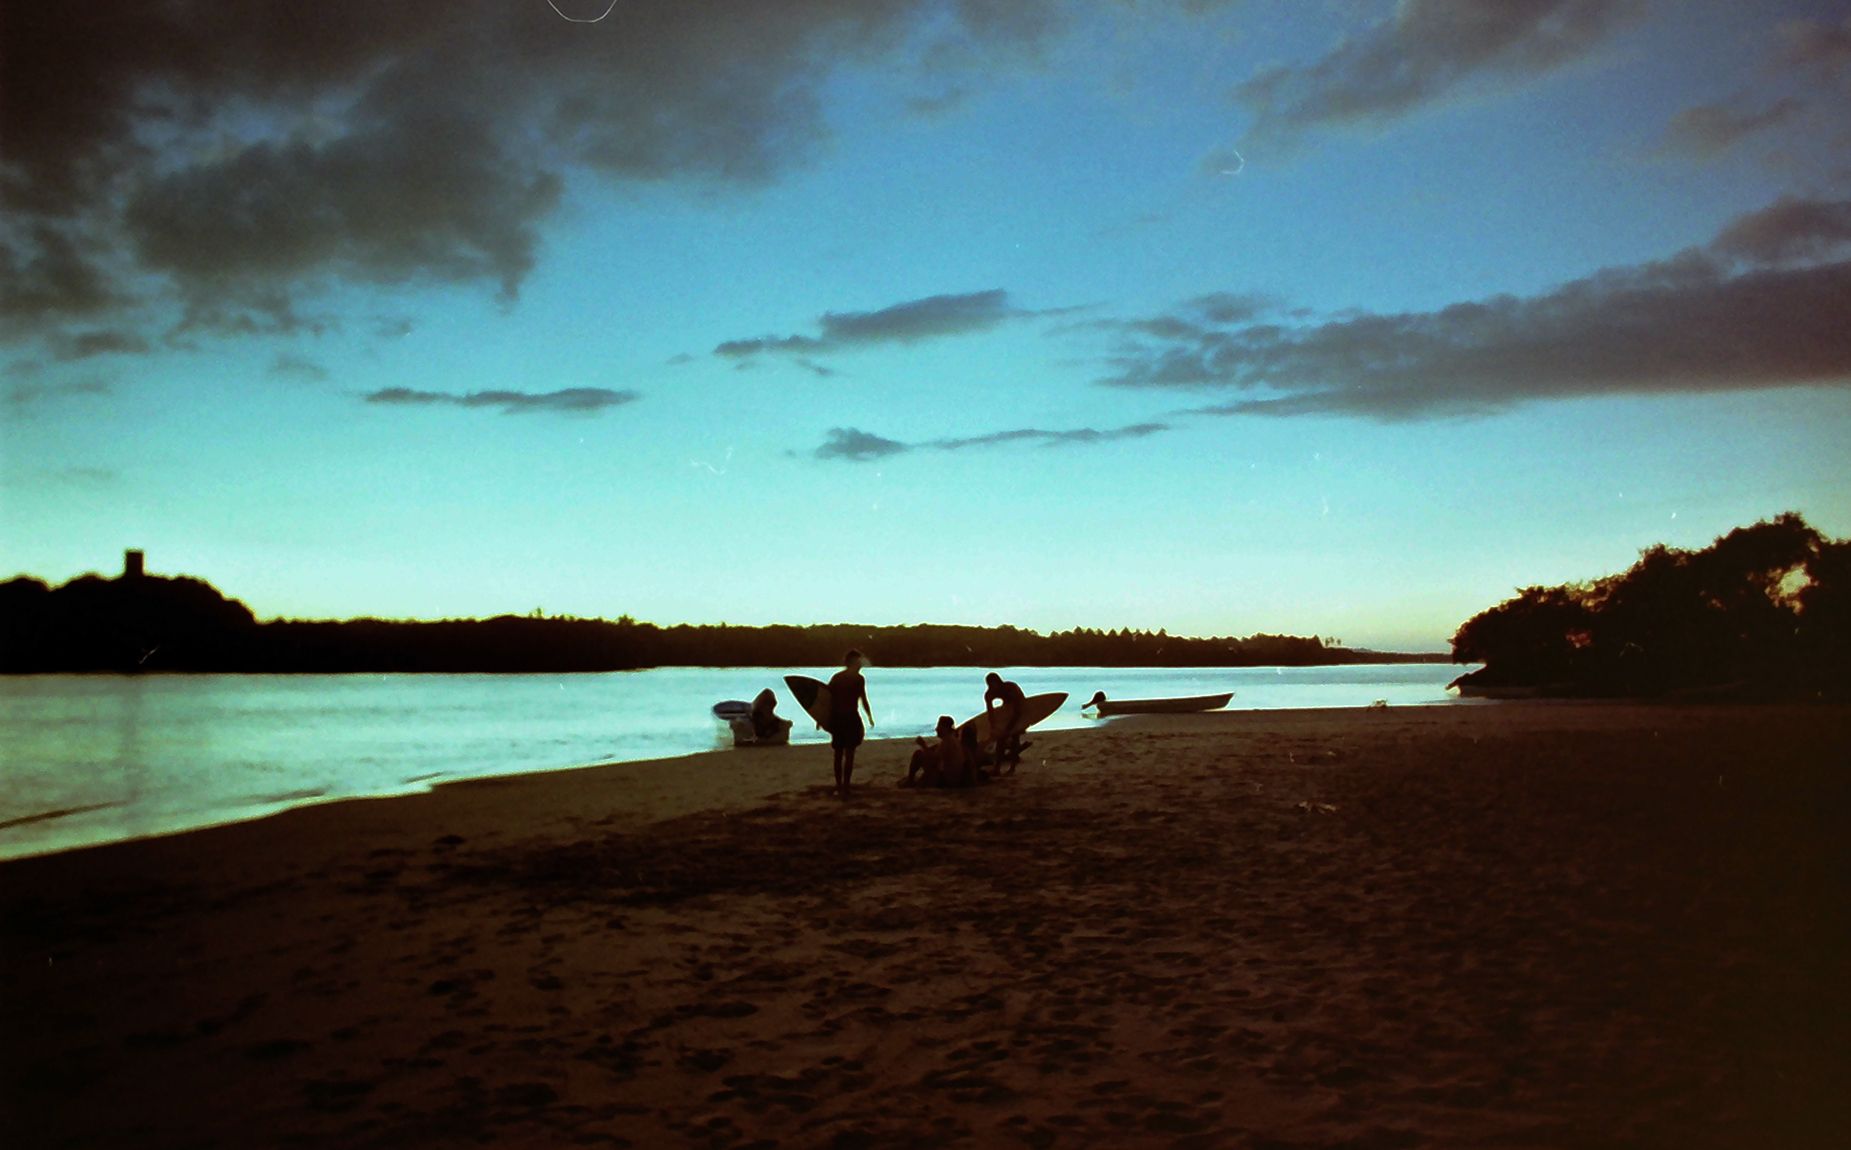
1765,609
152,623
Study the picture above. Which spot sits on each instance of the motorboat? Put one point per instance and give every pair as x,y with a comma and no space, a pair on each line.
1176,706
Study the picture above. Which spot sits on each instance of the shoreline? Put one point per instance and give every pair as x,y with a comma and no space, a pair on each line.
1540,924
530,727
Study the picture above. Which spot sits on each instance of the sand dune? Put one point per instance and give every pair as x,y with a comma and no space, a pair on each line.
1517,925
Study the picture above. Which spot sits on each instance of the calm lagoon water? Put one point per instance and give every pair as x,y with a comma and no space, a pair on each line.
88,759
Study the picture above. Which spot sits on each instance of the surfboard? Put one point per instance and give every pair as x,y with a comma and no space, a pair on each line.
812,695
1031,711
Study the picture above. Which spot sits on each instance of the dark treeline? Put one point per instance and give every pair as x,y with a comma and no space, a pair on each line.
1765,609
150,623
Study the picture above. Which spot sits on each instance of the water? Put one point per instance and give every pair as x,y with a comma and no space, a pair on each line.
88,759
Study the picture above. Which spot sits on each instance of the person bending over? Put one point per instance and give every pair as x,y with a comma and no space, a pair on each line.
1002,702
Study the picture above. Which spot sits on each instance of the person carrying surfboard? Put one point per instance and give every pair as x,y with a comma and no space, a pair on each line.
846,688
1002,702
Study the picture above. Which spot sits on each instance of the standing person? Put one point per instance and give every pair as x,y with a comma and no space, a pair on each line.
846,688
1002,702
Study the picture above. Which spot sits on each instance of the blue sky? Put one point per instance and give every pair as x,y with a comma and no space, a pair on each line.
1344,319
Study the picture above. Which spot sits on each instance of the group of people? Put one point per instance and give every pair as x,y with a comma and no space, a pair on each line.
956,759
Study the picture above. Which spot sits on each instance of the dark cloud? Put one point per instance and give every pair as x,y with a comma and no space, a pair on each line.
862,446
239,158
1761,307
932,317
288,365
573,400
1789,230
1429,50
741,348
914,320
50,275
1708,130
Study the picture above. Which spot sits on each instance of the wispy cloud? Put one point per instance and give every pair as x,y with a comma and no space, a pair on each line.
859,446
288,365
1427,52
571,400
1816,44
1708,130
68,346
1762,306
911,321
28,394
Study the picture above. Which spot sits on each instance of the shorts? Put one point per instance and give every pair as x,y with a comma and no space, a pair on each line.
846,732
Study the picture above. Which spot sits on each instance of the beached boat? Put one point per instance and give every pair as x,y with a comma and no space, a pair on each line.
1174,706
736,714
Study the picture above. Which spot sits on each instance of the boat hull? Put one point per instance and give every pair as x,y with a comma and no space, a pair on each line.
1162,706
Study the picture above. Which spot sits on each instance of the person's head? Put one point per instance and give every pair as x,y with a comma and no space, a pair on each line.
993,679
946,728
852,660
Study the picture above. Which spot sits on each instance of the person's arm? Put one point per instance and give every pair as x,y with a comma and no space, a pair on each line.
865,705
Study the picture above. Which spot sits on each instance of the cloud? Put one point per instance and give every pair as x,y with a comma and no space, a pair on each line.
50,275
1428,51
573,400
288,365
919,319
1788,230
742,348
911,321
22,395
1816,45
1708,130
215,155
862,446
67,346
1760,307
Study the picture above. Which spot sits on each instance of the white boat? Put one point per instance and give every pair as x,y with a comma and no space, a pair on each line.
1180,705
737,715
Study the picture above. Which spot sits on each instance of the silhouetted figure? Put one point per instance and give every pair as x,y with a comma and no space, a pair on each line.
765,721
941,764
1002,702
846,689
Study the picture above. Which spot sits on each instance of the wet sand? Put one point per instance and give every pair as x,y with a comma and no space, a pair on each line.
1518,925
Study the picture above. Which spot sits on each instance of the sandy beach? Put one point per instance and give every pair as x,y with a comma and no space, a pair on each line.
1520,925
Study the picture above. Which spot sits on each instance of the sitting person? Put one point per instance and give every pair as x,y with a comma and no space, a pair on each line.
940,764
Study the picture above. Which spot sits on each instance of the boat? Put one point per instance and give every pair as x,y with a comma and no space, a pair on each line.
1180,705
737,715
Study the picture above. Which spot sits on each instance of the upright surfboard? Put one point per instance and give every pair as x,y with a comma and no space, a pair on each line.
812,695
1031,711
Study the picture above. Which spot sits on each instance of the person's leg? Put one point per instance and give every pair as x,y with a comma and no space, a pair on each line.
838,762
848,769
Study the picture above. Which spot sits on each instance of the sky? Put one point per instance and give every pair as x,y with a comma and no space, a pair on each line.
1322,318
